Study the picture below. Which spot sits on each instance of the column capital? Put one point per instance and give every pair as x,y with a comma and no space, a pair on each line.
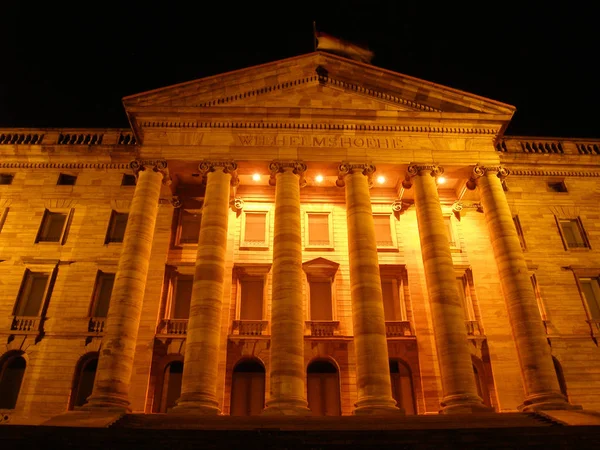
227,166
480,171
157,165
297,167
418,169
347,168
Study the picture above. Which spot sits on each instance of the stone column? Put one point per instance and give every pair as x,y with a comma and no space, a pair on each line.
287,394
201,359
370,341
115,365
458,383
542,390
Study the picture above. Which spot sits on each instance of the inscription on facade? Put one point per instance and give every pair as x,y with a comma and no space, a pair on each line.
322,141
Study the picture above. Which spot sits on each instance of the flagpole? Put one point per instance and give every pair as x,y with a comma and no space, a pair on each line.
315,35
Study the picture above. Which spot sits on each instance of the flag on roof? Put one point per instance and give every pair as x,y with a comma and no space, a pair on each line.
333,44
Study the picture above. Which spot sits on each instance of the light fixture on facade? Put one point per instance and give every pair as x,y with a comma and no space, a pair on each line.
441,180
256,177
381,179
319,178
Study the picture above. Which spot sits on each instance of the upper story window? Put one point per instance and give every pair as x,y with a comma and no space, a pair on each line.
538,296
385,231
590,288
32,294
181,296
189,226
396,304
128,180
102,294
54,226
251,280
319,230
557,186
116,227
3,216
6,178
320,274
519,229
65,179
452,232
255,229
572,233
466,293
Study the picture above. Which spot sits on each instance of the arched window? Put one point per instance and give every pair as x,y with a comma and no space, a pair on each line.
561,377
171,390
12,370
402,386
83,381
247,388
480,381
323,386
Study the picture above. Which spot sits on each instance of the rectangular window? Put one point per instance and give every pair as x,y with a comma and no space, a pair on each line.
384,232
6,178
53,227
450,231
538,296
251,299
128,180
517,223
590,288
572,233
66,180
318,230
32,294
3,216
182,296
190,221
116,227
393,299
102,293
557,186
255,227
321,307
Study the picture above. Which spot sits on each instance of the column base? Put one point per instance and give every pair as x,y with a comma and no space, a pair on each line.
463,404
191,404
106,402
376,406
287,408
547,402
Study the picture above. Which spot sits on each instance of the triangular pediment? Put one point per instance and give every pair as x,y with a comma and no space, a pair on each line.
316,80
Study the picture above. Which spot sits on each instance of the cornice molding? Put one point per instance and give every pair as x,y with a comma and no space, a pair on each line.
553,173
321,78
26,165
320,126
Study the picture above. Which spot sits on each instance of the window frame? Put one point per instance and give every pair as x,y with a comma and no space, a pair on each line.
250,272
307,245
393,234
109,239
472,314
3,217
452,230
398,274
179,226
258,245
100,274
173,273
5,176
68,212
591,274
582,234
49,270
66,179
319,270
520,234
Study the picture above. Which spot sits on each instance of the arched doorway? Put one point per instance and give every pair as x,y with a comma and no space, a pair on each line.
83,381
323,387
402,385
171,389
12,370
247,388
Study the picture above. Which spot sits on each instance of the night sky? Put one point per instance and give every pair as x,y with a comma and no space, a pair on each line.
70,66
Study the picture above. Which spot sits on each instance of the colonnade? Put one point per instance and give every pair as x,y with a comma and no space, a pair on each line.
287,375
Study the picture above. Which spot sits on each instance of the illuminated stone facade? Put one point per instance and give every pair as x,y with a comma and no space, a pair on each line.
336,271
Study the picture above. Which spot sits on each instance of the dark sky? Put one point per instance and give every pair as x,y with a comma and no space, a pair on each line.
70,66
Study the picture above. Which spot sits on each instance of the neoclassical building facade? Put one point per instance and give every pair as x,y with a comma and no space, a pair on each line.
313,236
